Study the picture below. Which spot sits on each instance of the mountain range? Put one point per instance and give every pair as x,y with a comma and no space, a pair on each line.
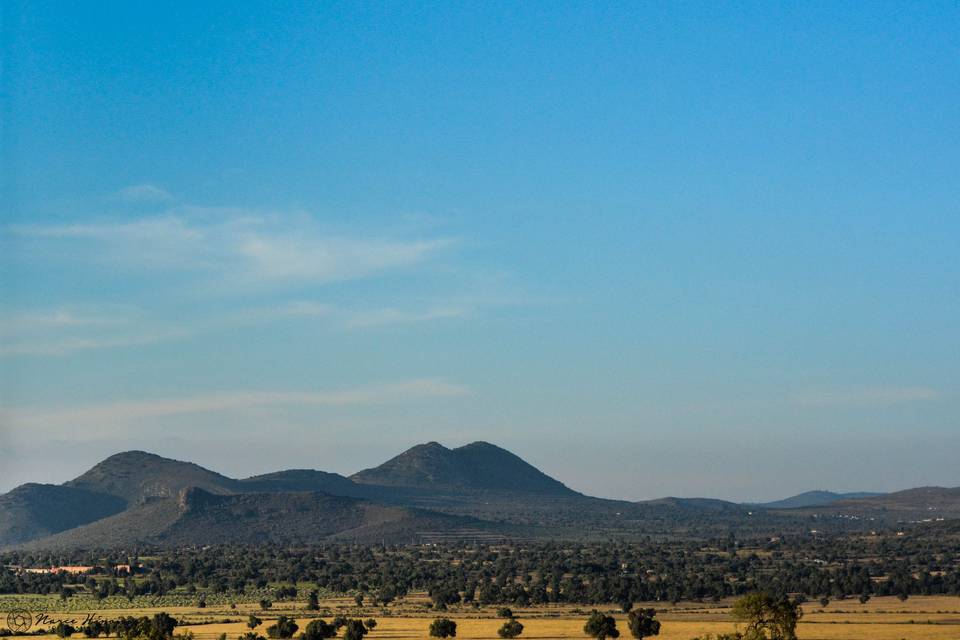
430,492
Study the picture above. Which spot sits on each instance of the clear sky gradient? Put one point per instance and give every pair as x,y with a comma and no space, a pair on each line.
695,249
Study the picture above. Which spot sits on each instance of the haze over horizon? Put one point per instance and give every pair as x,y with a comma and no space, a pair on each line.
653,250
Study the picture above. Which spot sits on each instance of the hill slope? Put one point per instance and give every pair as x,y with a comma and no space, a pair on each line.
136,476
473,468
814,499
922,503
197,517
35,510
304,480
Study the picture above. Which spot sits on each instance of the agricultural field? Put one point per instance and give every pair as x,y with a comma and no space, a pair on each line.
882,618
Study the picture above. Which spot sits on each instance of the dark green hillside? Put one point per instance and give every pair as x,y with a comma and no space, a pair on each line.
36,510
304,480
476,467
197,517
137,475
814,499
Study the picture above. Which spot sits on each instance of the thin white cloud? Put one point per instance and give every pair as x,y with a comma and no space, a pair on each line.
68,345
117,415
329,259
143,193
389,316
236,249
864,396
53,318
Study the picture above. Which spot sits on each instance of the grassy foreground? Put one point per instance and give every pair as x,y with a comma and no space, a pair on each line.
920,618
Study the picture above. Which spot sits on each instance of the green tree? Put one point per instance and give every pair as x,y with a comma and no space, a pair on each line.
767,617
510,629
643,623
284,628
443,628
313,601
355,630
505,612
253,621
371,624
318,630
601,626
64,630
162,625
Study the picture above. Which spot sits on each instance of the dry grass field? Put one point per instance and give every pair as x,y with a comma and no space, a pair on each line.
919,618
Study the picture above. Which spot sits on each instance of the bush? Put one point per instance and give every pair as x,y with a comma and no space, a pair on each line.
601,626
318,630
371,624
505,612
355,630
643,623
443,628
284,628
510,629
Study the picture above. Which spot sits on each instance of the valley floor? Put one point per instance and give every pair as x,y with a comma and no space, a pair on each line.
920,618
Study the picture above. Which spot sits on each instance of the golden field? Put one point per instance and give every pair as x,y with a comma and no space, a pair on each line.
921,618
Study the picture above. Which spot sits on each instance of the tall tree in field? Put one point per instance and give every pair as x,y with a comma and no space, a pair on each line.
601,626
284,628
319,630
313,601
355,630
768,618
443,628
643,623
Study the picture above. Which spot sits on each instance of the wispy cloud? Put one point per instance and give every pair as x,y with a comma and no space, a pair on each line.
237,248
864,396
63,331
68,345
329,259
389,315
54,318
117,415
143,193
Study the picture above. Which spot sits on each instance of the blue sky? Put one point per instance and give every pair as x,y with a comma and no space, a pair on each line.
655,249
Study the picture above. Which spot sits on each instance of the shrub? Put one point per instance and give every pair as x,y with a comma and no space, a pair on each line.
355,630
318,630
443,628
601,626
284,628
643,623
510,629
